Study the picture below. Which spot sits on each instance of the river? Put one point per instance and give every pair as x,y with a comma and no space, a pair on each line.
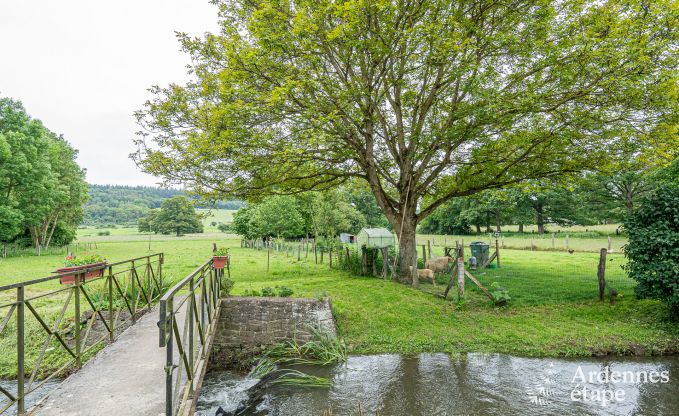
470,384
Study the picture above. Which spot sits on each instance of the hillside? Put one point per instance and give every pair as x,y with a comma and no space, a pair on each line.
124,205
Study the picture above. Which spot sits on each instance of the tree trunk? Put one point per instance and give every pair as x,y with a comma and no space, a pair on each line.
521,228
407,249
540,219
498,222
478,228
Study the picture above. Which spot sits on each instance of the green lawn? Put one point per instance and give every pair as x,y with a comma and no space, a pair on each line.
553,311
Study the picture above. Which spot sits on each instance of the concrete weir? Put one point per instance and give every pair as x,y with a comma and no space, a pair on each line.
248,324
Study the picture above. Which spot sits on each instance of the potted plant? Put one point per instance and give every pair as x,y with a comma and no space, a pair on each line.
220,257
74,264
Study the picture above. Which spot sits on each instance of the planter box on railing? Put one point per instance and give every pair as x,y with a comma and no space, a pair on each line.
218,262
69,279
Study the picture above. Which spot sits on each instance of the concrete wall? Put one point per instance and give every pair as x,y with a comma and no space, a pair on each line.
256,321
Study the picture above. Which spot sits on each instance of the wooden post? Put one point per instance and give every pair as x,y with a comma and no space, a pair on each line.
553,243
299,251
531,243
424,254
460,278
385,261
601,273
567,245
348,257
416,281
373,255
609,244
497,252
330,257
321,256
429,249
306,255
364,261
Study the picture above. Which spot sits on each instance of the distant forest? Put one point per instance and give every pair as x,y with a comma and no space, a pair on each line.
124,205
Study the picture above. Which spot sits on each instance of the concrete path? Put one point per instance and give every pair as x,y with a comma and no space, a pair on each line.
124,379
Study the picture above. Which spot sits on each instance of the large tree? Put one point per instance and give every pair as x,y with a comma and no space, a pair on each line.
176,216
425,100
42,188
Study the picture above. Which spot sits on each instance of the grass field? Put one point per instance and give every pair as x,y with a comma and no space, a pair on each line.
553,311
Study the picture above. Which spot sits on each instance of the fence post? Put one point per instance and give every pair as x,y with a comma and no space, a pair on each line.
169,359
110,303
601,273
424,254
428,248
299,251
567,245
76,322
330,257
133,272
190,306
497,251
385,261
460,278
21,404
553,243
609,244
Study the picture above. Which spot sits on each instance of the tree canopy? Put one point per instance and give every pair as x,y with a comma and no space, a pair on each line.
175,216
42,188
424,100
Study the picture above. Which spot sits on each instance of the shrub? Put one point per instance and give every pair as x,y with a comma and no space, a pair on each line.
653,247
500,294
102,233
268,291
285,292
226,286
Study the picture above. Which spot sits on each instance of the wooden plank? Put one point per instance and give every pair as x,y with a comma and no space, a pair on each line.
477,283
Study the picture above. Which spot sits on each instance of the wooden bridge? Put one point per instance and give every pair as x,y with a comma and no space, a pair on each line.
150,345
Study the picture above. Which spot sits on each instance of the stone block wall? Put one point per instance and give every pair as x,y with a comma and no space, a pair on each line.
256,321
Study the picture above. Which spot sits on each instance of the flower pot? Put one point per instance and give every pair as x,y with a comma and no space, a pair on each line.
69,279
218,262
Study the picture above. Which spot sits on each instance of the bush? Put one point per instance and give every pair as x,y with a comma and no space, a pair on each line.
226,286
285,292
268,291
653,247
102,233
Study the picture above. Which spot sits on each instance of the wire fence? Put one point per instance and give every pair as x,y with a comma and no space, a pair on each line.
561,241
531,277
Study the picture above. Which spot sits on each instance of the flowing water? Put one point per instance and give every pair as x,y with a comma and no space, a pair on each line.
32,397
472,384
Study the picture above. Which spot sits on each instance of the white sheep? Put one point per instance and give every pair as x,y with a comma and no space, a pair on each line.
425,274
439,264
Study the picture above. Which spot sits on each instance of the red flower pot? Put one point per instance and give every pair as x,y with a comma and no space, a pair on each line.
69,279
218,262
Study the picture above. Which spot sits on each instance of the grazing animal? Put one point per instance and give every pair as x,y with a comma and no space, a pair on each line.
425,274
439,264
571,251
613,295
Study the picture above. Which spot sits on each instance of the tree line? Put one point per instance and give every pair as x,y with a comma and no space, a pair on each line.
588,199
324,214
42,188
124,205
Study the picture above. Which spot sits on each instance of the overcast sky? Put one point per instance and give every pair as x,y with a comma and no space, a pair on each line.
83,67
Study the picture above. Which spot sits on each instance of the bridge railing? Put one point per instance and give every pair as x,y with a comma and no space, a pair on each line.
188,317
55,323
